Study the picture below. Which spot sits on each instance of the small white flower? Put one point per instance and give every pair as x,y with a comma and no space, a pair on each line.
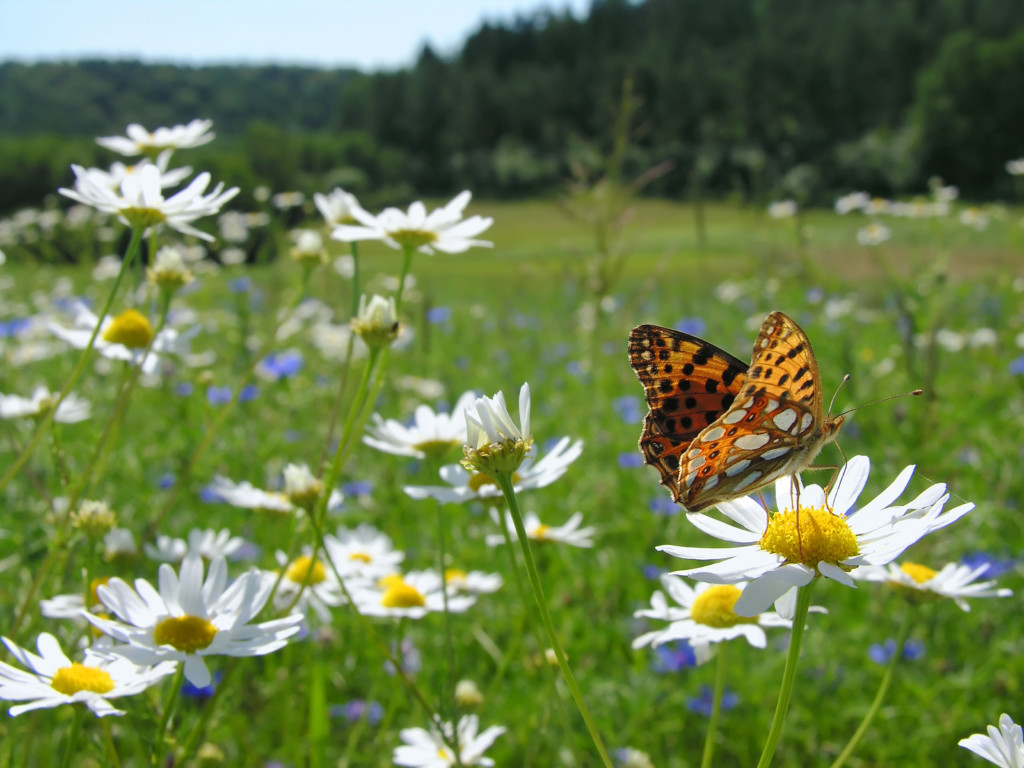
769,548
474,582
141,142
140,200
247,496
337,207
376,321
873,234
168,269
855,201
311,581
55,680
569,533
207,543
114,177
431,433
463,485
189,618
71,410
120,542
362,553
1015,167
301,487
443,229
974,218
407,596
1003,747
954,581
309,247
782,209
285,200
493,441
426,749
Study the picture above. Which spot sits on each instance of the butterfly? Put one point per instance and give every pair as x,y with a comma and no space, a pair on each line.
717,428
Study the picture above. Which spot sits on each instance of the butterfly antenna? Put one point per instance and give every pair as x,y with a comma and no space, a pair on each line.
846,378
882,400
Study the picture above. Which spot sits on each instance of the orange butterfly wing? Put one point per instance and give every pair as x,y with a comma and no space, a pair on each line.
776,425
688,384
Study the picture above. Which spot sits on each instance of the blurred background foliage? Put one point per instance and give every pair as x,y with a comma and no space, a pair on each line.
746,99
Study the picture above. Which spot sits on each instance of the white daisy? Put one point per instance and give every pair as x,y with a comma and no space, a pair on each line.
189,618
494,443
311,581
1003,747
776,556
113,178
207,543
362,553
337,207
782,209
474,582
955,581
123,337
407,596
855,201
873,234
72,408
426,749
443,229
55,680
141,142
430,433
705,614
463,485
140,200
569,533
70,606
248,496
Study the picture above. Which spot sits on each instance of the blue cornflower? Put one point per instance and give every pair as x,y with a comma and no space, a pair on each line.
663,505
996,565
184,388
673,657
166,481
439,315
702,704
281,365
628,407
218,395
357,709
630,460
240,285
249,392
357,488
1017,366
653,572
209,495
201,693
695,326
882,653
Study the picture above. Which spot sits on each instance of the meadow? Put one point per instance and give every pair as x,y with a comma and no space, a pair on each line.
938,306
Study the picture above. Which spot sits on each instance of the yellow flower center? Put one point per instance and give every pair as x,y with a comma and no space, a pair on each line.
186,633
144,217
919,573
715,607
810,535
129,328
361,557
400,594
478,480
413,238
454,575
94,597
541,532
304,571
78,677
434,448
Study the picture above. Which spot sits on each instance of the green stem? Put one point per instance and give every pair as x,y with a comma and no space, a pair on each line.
504,480
108,744
44,424
407,252
448,686
883,688
202,723
803,603
76,724
165,716
716,706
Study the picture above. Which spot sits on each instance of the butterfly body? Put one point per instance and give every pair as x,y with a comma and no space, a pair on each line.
718,428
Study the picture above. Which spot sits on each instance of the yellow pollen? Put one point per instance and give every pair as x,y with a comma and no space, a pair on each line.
390,580
399,594
300,571
478,480
186,633
454,575
919,573
361,557
715,607
78,677
144,217
413,238
129,328
822,536
94,597
436,447
542,531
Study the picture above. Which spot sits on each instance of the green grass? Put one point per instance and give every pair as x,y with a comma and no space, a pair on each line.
515,314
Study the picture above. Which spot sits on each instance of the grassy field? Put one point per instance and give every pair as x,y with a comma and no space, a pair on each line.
939,307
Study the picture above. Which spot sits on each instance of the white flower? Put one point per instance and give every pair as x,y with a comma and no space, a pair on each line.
207,543
142,142
247,496
1003,747
463,485
71,410
1015,167
488,423
119,543
376,321
123,337
782,209
430,433
285,200
407,596
140,200
168,269
189,618
974,218
954,581
569,533
337,207
362,552
474,582
443,229
426,749
855,201
113,178
770,551
302,489
705,615
873,234
56,680
313,583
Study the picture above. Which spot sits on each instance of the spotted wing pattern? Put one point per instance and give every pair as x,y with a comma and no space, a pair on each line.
775,426
689,384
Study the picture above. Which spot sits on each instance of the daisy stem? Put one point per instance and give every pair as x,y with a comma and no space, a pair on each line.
108,744
716,706
165,716
517,639
346,366
44,424
448,690
407,252
505,482
76,724
883,688
803,603
202,723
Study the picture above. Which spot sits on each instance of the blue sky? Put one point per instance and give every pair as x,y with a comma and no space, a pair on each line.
370,34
